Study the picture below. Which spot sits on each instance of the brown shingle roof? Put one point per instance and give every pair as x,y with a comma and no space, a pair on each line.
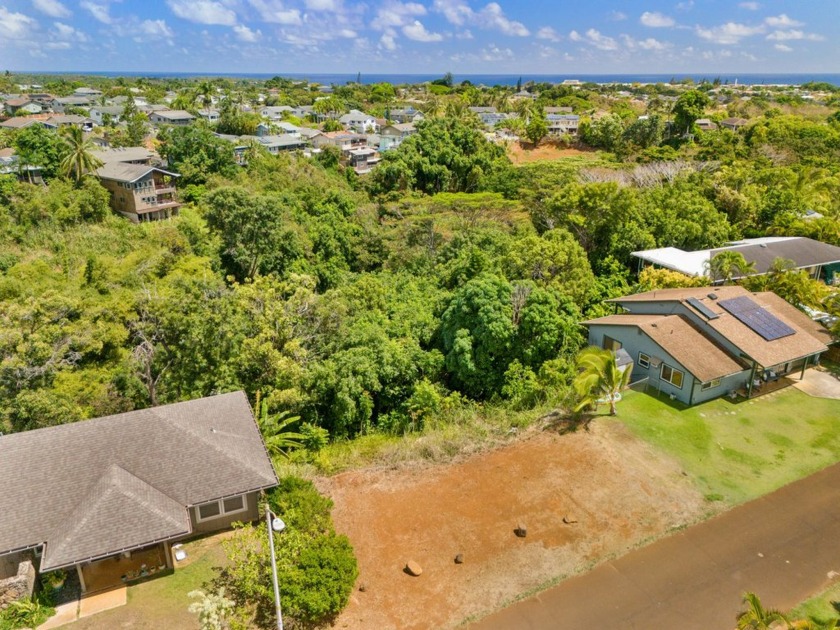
675,335
803,342
98,486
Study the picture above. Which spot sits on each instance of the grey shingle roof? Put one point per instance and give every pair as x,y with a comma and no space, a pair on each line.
126,172
98,486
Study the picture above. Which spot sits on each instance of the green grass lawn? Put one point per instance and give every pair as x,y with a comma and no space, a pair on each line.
820,608
162,602
737,452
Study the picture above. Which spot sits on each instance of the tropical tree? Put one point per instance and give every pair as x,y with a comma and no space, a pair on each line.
689,107
756,617
599,378
275,430
537,127
728,265
79,161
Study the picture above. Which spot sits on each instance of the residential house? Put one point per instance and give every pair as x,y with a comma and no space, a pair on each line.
60,105
704,124
176,117
392,136
21,122
359,122
820,260
276,112
363,159
87,92
406,115
557,110
489,116
282,143
10,165
734,124
210,115
563,124
103,113
140,192
525,95
69,120
127,155
697,344
15,106
344,140
107,497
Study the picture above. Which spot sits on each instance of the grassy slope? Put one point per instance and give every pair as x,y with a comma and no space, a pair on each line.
820,608
737,452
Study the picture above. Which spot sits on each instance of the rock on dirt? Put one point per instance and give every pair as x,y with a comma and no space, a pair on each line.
459,559
521,530
412,568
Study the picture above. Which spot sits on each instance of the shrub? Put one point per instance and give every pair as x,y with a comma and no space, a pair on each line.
316,567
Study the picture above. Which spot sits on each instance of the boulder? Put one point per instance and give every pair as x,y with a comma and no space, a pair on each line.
412,568
459,559
521,530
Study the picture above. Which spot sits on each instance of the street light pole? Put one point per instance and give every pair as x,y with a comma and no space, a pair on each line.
268,520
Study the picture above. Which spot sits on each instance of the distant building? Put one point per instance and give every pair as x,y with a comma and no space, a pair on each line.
176,117
563,124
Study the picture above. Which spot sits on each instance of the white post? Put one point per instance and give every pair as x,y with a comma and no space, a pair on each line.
274,569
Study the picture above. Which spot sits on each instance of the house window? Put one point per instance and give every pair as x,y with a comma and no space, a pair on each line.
611,344
644,360
715,382
217,509
671,375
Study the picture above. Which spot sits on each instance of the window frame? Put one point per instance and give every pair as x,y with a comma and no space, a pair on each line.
673,371
715,382
645,363
221,505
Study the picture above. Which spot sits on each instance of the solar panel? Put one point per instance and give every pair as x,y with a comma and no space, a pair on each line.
756,318
702,308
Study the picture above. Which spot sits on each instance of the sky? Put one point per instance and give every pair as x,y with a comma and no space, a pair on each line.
424,36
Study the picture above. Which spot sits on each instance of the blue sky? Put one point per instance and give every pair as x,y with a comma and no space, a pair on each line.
424,36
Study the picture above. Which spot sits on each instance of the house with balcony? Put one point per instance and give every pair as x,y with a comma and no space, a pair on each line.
391,136
359,122
177,117
140,192
562,124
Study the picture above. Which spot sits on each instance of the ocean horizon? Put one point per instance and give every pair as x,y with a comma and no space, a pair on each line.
484,79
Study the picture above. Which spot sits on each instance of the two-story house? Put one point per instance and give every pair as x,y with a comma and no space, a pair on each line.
140,192
176,117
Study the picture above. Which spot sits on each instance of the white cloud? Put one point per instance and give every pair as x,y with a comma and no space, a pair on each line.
100,11
794,35
617,16
729,33
322,5
656,20
783,47
52,8
418,33
546,32
15,25
781,21
203,12
688,5
245,34
750,6
388,41
648,43
492,16
395,14
275,12
465,34
595,38
494,53
154,29
348,33
68,33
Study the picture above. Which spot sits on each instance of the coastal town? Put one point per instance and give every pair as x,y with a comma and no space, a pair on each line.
433,354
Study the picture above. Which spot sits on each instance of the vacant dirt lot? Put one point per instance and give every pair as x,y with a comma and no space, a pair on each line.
545,152
613,490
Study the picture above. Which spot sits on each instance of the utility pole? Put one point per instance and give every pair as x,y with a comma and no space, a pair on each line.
270,524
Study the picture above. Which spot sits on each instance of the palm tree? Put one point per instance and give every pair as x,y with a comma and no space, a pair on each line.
599,378
727,265
756,617
79,160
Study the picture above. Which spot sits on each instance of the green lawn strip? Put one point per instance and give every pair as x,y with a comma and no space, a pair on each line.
162,602
737,452
820,608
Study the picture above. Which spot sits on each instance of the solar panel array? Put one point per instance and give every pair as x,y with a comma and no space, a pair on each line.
757,318
702,308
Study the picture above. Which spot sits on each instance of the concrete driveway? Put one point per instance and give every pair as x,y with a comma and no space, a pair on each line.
784,547
820,384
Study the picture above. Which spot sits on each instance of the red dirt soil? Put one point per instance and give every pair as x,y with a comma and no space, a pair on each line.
520,154
615,491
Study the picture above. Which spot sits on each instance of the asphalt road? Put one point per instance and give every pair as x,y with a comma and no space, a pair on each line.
781,546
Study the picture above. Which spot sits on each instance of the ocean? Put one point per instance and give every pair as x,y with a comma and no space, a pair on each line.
491,79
